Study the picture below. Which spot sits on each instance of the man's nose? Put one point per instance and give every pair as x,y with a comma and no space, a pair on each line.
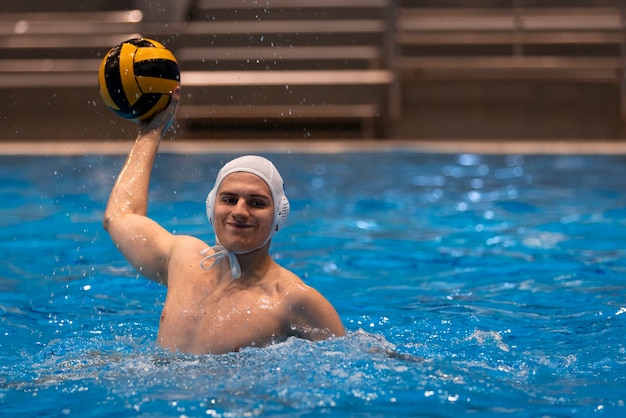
240,208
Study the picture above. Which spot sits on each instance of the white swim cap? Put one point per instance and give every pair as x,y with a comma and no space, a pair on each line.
263,168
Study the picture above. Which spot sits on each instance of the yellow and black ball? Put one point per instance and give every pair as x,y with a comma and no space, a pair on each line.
137,77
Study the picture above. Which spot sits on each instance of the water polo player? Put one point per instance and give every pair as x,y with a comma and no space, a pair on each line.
231,295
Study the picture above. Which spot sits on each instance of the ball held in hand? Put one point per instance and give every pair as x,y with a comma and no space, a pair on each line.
137,77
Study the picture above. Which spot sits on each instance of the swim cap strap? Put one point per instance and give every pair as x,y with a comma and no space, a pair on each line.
219,253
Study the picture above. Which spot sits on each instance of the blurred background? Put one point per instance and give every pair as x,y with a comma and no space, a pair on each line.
408,69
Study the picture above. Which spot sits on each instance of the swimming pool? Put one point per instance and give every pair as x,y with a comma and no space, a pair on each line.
485,284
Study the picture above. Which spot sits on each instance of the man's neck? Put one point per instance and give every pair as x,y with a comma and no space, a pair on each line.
255,264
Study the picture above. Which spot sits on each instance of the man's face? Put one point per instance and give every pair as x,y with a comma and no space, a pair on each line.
244,212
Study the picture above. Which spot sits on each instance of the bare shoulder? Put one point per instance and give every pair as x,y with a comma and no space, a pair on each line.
311,315
185,243
296,292
186,253
186,249
287,283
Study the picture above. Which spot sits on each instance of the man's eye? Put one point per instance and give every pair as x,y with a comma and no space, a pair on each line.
258,204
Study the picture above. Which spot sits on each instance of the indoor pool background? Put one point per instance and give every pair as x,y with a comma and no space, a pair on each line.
492,285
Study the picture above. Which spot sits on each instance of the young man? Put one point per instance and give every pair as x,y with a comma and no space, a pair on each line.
228,296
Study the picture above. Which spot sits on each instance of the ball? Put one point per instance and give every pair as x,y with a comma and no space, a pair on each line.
137,77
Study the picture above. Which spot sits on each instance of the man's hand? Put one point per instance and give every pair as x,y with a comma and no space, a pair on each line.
163,120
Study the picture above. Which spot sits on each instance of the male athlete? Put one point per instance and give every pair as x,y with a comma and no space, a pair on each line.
228,296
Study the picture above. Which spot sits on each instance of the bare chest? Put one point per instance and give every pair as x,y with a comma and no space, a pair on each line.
199,319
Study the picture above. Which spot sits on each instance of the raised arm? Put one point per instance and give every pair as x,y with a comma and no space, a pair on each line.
144,243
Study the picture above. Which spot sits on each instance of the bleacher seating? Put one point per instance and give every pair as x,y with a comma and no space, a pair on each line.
50,53
548,40
60,49
277,65
280,63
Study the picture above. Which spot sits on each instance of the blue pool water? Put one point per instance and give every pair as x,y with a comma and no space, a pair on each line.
486,285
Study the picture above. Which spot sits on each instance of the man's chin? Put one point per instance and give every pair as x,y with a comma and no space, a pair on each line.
237,247
240,243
